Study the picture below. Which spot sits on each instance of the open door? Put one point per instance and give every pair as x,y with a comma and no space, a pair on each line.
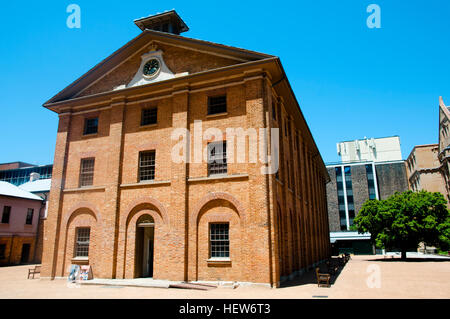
25,253
145,233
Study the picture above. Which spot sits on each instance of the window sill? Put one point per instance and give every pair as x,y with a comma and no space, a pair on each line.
221,262
216,115
148,126
145,183
217,177
84,189
80,260
89,135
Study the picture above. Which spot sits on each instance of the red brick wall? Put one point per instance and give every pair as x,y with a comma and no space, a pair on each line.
181,208
13,249
40,242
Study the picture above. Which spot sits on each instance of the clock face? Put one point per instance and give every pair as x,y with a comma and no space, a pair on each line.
151,67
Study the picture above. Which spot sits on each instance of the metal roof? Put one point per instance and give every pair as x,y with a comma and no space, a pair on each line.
8,189
348,235
172,15
40,185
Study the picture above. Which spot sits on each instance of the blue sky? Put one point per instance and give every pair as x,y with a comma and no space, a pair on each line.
351,81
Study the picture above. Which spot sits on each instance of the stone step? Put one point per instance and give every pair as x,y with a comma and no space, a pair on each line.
192,286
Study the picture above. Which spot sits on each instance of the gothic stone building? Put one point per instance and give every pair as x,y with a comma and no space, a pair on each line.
428,165
119,202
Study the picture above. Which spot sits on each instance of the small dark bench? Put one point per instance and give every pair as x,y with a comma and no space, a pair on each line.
33,271
322,279
332,267
347,257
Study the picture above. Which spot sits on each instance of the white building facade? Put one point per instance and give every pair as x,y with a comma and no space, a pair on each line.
370,149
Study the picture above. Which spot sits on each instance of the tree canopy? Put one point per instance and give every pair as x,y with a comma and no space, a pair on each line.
406,219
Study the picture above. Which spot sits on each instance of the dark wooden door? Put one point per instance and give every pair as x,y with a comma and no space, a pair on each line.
25,253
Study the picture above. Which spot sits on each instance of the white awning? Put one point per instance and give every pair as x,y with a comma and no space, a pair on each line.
348,235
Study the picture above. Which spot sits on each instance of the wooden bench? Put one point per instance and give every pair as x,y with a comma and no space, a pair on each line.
33,271
322,279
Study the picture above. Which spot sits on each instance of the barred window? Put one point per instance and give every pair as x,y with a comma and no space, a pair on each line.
29,219
219,240
149,116
91,126
6,214
82,242
87,171
146,165
217,104
217,158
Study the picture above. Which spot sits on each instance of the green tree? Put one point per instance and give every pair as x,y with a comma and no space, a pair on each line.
406,219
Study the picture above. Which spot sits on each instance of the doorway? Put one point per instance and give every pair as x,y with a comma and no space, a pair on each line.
145,234
25,253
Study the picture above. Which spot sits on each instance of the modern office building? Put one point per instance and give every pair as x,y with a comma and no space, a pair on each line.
121,203
372,170
13,165
382,149
18,173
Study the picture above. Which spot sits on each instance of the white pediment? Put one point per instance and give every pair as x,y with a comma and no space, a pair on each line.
163,73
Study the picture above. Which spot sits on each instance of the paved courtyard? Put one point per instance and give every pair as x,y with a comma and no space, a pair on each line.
362,277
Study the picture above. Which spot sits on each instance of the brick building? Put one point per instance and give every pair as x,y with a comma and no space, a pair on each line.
422,166
121,203
20,213
41,188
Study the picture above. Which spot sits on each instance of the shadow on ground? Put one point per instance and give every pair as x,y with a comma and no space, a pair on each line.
22,264
310,277
410,259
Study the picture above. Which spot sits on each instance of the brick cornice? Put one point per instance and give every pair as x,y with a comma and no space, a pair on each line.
166,85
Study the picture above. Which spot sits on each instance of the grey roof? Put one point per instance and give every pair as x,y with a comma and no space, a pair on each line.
40,185
8,189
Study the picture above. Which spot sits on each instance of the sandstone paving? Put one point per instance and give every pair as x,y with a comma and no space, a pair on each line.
367,277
